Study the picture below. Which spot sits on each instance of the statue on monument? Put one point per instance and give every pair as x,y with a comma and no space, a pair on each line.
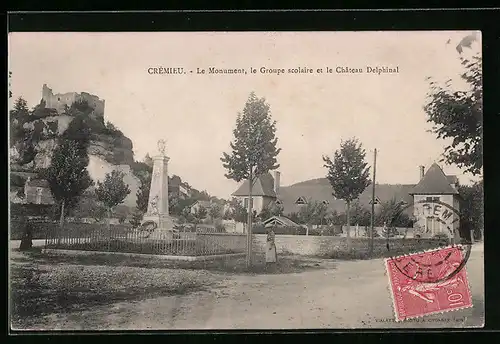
162,146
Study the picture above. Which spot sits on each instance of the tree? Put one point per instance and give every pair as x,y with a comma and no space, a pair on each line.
200,213
311,213
458,115
391,213
254,151
276,209
360,215
215,211
112,191
67,175
348,175
143,170
238,211
472,209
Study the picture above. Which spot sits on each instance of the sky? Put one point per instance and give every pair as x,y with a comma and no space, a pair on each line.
196,113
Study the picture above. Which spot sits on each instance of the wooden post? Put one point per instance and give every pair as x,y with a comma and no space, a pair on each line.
249,220
372,218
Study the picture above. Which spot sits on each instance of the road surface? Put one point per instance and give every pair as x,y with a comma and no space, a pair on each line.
349,294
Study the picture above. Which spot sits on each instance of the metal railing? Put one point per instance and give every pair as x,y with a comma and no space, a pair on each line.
127,240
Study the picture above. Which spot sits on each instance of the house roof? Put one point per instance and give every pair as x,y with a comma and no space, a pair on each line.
320,190
204,204
40,183
264,186
435,182
282,220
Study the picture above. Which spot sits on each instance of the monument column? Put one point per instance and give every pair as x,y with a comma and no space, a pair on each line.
158,193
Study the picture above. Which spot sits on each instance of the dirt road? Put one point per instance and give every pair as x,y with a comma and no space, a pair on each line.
345,295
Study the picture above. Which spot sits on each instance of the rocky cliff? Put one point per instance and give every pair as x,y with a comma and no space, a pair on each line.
37,134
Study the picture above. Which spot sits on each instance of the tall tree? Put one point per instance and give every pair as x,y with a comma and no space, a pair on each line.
348,175
254,151
457,115
67,175
112,191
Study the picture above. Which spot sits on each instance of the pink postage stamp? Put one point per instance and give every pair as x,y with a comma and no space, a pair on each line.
428,283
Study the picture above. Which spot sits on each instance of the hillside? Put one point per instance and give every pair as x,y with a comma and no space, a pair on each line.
319,189
35,133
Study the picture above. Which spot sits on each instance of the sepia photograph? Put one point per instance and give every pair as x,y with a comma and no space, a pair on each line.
245,180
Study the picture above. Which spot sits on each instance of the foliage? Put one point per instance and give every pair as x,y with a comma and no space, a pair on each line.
136,220
143,171
67,174
392,213
200,213
472,208
31,209
89,207
215,211
458,115
348,173
238,211
334,218
360,215
313,212
18,116
254,148
113,190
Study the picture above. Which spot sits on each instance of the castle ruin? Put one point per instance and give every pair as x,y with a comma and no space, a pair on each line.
59,101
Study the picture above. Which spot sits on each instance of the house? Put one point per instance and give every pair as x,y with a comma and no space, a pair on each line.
434,186
264,192
200,204
177,188
37,191
436,203
280,221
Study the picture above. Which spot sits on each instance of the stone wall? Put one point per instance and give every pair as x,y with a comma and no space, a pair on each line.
331,246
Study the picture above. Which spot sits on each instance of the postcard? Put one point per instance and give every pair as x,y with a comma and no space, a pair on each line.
245,180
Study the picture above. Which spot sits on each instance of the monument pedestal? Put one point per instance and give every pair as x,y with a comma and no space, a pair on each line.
158,193
163,223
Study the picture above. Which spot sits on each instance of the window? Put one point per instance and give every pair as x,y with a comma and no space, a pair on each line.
432,226
301,201
432,199
245,203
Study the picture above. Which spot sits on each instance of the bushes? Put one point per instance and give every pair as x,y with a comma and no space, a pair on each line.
32,209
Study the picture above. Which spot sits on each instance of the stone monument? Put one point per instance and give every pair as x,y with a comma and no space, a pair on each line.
158,193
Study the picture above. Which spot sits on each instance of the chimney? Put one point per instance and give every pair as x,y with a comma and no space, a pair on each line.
276,182
422,172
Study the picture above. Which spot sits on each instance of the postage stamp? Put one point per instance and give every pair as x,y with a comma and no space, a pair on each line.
428,283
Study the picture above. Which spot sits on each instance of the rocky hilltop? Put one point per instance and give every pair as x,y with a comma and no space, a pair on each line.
34,135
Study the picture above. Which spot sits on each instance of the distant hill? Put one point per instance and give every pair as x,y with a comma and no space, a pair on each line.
320,190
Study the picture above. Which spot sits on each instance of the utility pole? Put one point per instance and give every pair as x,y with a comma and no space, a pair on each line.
372,219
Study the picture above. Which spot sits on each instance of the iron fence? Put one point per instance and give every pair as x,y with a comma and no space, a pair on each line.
128,240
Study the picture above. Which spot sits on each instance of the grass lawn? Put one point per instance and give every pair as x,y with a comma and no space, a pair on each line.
47,283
